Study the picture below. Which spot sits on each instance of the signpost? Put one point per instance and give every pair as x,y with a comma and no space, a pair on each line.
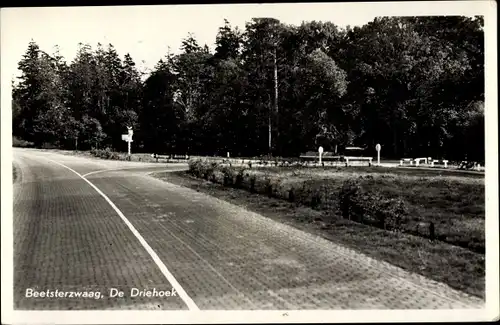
320,150
378,147
128,137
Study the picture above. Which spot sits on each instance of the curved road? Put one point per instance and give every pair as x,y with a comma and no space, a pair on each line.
83,227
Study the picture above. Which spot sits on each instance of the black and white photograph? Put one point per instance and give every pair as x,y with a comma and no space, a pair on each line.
246,163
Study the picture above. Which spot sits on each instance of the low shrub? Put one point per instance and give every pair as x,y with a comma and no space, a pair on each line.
252,183
217,176
204,169
315,199
268,187
228,174
239,178
16,142
347,196
48,145
209,169
358,204
105,154
195,167
291,195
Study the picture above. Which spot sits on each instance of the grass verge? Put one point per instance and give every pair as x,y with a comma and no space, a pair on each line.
461,268
446,206
114,155
14,173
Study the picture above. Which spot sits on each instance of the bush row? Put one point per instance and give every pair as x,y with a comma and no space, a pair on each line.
351,200
16,142
105,154
276,162
365,206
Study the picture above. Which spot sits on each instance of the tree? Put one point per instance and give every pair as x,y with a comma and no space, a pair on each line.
413,84
160,117
261,39
228,42
39,97
194,70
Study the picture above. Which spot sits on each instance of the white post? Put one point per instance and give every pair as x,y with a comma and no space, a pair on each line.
320,150
129,141
378,147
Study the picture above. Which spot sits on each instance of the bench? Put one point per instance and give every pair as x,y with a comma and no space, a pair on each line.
418,160
402,161
445,162
351,159
311,155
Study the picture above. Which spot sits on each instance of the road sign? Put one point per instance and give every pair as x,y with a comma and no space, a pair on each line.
378,147
125,137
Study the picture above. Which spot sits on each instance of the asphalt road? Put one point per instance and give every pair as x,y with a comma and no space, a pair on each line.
80,225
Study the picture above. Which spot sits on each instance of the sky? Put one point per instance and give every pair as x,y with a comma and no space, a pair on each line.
149,32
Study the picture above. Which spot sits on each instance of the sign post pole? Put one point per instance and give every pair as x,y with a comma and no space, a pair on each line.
320,151
378,147
129,140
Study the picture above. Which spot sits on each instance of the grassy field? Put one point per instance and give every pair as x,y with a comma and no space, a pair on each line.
453,202
459,267
407,200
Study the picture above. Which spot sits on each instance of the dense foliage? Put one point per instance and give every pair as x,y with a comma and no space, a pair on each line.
413,84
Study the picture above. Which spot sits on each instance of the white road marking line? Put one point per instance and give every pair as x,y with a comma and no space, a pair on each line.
182,294
166,171
127,168
109,170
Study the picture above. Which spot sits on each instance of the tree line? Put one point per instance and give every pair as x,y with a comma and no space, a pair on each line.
413,84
